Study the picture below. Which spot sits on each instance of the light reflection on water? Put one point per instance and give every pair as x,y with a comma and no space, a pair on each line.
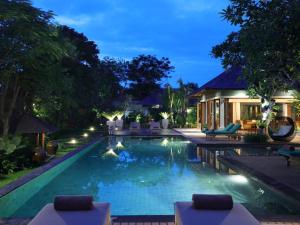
145,176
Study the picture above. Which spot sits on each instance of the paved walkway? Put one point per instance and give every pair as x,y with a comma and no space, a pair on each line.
197,137
26,221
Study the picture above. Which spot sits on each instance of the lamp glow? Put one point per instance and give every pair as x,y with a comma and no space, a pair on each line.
92,129
165,142
110,152
85,135
119,145
73,141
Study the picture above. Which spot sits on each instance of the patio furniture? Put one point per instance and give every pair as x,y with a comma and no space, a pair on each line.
228,127
286,131
289,153
134,127
186,214
154,127
99,214
230,133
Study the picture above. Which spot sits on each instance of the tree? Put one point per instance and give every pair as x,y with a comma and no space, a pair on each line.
176,101
29,43
267,46
144,74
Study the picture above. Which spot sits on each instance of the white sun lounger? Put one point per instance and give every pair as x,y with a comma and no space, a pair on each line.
100,215
186,214
134,127
155,127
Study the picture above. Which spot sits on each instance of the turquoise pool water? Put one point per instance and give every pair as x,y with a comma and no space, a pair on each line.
144,176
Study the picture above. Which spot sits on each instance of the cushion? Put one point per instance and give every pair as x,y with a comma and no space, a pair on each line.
100,215
186,214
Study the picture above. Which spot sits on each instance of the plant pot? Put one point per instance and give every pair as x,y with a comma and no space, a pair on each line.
119,124
111,125
165,123
51,147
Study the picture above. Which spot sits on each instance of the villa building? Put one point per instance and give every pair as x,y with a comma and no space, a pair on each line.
224,100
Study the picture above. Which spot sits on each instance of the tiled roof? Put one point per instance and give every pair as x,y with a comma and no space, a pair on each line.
230,79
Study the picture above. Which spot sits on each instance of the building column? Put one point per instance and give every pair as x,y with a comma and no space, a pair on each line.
284,109
222,113
198,116
206,112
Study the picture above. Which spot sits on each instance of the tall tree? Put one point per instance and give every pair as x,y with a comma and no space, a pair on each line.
29,43
267,46
145,72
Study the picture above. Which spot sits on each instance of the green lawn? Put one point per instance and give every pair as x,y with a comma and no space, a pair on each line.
6,179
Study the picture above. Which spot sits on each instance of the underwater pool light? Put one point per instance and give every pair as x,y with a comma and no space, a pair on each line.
240,179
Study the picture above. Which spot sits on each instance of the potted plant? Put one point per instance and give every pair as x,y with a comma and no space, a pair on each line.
261,124
119,121
165,121
110,120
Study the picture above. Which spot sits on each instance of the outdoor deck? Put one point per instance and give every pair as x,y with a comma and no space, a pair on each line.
139,222
197,137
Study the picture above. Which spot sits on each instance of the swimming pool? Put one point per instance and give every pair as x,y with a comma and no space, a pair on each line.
143,176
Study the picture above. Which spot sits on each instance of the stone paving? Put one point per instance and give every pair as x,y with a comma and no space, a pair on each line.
197,137
171,222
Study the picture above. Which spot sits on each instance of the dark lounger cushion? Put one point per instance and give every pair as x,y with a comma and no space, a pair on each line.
214,202
73,203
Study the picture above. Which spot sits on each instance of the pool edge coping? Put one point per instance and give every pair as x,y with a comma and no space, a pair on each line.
44,168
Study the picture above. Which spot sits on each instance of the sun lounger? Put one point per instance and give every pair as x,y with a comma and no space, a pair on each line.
232,132
227,128
155,127
98,215
134,127
289,153
186,214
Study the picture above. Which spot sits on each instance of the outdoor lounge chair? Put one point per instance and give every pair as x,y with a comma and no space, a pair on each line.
228,127
232,132
286,131
186,214
134,127
289,153
99,215
155,127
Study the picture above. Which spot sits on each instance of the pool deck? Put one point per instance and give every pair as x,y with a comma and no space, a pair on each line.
197,137
140,220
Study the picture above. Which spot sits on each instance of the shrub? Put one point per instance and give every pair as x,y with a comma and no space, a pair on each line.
15,154
256,138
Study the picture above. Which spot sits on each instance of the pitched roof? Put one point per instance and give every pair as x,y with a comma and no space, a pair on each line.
230,79
32,125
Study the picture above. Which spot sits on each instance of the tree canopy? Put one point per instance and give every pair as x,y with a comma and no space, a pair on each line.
55,72
267,44
145,72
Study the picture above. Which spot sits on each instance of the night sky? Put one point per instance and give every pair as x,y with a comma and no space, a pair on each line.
182,30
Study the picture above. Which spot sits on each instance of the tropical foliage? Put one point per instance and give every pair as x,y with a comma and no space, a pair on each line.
55,73
266,46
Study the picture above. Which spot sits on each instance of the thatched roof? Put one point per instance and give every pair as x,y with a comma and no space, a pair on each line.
33,125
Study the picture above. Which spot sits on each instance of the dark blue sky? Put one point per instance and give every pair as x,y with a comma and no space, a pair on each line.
182,30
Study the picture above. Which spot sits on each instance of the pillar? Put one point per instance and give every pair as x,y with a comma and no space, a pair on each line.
222,113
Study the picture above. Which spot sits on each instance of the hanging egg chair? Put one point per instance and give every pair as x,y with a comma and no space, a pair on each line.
282,128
